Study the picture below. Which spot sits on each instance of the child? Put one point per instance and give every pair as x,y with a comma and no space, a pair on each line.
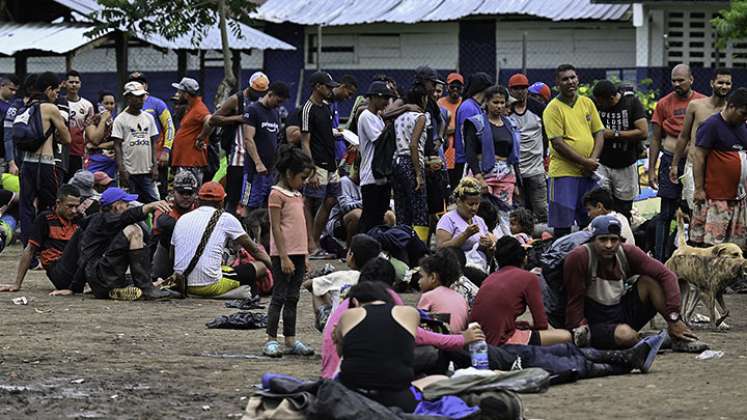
522,225
288,249
437,273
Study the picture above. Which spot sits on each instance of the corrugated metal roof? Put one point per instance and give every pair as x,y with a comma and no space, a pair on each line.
353,12
54,38
250,38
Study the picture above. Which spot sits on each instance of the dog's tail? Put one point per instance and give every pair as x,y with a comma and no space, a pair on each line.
681,240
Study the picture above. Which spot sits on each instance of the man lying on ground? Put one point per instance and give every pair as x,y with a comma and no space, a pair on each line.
206,278
50,232
113,241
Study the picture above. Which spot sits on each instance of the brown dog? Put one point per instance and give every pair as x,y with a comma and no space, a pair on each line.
705,273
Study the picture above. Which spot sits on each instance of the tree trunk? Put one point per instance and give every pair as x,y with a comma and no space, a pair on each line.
228,83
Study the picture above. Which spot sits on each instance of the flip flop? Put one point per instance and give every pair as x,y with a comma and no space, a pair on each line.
654,342
272,349
299,349
321,254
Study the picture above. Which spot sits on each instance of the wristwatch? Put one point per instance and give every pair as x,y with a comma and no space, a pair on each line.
674,317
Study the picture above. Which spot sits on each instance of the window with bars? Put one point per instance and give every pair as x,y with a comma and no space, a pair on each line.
691,39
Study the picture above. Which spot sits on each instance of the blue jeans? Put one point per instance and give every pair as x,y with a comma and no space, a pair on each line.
145,188
663,249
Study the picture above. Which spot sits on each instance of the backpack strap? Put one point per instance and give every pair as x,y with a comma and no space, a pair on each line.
203,242
622,261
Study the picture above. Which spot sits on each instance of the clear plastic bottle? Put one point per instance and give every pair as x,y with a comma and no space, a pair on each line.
479,352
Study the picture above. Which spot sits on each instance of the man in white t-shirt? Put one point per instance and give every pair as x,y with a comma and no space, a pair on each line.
376,193
207,279
81,110
135,136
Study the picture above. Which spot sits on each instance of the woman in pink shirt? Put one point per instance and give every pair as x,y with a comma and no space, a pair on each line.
437,273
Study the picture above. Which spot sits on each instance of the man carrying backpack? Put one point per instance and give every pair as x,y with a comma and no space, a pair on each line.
602,310
33,133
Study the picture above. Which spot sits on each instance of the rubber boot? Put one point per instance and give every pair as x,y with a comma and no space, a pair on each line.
632,358
140,270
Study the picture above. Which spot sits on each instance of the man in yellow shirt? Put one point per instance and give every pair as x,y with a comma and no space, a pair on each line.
576,136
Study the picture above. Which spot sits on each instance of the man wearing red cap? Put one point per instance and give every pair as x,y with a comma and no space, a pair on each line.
206,279
527,115
455,84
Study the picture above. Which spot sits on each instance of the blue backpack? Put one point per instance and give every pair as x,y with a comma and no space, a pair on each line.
28,130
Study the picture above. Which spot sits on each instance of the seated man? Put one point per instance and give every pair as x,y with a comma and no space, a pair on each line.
50,232
346,214
185,188
113,241
599,202
205,278
600,311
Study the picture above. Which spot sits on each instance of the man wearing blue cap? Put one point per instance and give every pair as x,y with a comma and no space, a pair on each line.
601,310
113,241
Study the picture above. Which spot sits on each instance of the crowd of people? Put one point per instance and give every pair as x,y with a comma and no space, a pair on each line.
446,187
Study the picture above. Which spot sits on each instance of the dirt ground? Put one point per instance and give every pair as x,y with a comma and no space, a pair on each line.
77,357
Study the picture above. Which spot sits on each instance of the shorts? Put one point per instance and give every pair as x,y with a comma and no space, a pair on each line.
225,284
666,188
565,200
603,319
525,337
259,189
621,182
329,185
717,221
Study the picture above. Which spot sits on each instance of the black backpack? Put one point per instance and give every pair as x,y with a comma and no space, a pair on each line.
28,129
385,146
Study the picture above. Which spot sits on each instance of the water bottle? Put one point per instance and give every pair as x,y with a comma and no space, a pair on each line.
479,352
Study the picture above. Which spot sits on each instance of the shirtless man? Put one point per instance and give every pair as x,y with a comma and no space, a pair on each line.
668,122
697,112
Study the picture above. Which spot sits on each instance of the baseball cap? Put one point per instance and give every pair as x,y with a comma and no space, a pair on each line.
259,82
322,78
454,77
605,225
114,194
185,181
101,178
134,88
84,181
211,191
424,73
188,85
379,88
541,89
518,80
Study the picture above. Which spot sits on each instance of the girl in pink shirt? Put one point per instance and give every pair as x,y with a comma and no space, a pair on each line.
288,249
437,273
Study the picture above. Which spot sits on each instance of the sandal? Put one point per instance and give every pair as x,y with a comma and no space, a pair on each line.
272,349
299,349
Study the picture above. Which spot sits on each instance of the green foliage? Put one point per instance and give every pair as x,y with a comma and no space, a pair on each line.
643,91
167,18
731,23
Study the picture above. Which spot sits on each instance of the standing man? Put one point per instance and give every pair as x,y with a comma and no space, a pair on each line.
230,116
375,193
135,135
668,121
261,136
451,102
719,158
190,152
8,88
626,127
348,88
318,141
576,139
22,98
527,115
81,110
160,112
698,111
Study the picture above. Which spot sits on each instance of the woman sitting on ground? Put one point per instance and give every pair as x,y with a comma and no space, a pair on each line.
505,295
462,227
376,339
437,273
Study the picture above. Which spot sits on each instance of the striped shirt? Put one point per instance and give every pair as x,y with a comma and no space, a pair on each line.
316,120
49,234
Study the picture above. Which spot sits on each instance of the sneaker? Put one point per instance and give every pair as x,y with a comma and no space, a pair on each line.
654,342
321,254
299,349
272,349
125,293
684,346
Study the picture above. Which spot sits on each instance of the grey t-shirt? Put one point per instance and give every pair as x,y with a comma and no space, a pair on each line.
532,148
136,132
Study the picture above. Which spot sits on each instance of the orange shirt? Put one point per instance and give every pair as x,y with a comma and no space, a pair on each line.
670,112
184,153
450,152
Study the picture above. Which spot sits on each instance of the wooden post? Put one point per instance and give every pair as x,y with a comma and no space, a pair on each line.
181,66
21,64
237,68
202,73
122,57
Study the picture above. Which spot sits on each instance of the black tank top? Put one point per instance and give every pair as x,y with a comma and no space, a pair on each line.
378,353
